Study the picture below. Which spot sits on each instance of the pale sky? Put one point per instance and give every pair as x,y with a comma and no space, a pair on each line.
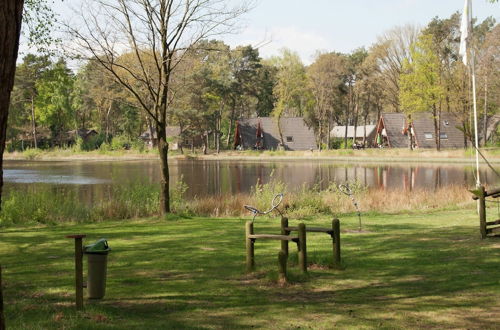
306,26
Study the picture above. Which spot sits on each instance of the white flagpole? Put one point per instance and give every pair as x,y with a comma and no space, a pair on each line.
476,139
466,33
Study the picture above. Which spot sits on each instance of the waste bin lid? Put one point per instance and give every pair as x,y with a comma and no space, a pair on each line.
99,247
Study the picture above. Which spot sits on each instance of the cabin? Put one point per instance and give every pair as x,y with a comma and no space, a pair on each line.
262,133
389,131
338,132
173,133
392,131
70,137
424,133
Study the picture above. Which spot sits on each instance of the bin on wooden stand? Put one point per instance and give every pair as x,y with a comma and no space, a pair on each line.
97,257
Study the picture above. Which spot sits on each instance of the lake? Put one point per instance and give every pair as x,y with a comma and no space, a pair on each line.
93,179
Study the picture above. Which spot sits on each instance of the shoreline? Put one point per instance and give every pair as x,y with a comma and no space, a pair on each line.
344,156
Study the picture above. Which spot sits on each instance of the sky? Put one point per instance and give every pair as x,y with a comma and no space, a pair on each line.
308,26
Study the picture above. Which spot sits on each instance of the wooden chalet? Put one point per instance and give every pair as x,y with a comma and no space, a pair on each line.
389,131
424,133
151,140
262,133
393,128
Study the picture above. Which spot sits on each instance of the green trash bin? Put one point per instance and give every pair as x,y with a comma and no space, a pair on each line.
97,257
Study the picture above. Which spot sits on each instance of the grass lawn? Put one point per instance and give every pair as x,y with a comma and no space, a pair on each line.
406,271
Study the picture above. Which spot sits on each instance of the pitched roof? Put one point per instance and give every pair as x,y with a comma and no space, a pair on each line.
451,136
339,131
394,124
296,134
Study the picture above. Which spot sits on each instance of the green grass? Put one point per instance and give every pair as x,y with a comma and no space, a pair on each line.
405,271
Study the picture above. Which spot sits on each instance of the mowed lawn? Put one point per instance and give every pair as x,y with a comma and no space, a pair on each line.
404,271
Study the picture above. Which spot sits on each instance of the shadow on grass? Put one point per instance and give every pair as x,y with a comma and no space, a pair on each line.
189,274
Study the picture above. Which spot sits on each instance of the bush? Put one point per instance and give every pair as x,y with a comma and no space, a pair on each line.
32,154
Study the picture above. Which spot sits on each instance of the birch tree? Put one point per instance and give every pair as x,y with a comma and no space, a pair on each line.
157,33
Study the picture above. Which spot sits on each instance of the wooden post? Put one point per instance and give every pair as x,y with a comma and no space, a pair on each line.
282,257
284,225
78,269
302,248
2,315
250,246
482,211
336,243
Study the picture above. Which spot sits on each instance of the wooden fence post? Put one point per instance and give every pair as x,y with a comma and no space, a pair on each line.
482,211
282,258
302,248
2,315
336,243
78,269
249,246
284,225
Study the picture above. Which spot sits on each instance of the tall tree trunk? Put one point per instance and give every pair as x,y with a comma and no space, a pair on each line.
231,123
329,129
161,132
11,12
356,104
33,123
320,129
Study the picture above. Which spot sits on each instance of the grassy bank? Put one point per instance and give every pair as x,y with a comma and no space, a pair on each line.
406,271
369,155
45,205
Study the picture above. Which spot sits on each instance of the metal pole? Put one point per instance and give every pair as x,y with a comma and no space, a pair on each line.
476,138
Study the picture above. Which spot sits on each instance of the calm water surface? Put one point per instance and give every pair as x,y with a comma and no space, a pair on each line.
94,179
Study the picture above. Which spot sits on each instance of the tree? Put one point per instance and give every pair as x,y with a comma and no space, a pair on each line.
290,91
326,78
54,102
391,50
157,33
10,30
421,90
25,92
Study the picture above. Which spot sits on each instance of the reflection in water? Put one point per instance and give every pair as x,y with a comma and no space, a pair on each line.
94,180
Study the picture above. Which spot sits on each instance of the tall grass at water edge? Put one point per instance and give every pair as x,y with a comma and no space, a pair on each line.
46,205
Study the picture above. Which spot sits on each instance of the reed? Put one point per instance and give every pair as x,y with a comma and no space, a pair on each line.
47,205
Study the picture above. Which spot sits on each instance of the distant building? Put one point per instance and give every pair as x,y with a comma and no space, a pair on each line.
389,131
70,137
424,133
173,132
338,132
263,134
392,131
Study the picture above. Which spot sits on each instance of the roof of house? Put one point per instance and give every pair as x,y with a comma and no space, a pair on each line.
423,125
296,134
339,131
394,124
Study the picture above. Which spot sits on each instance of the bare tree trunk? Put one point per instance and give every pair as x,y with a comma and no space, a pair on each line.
231,123
329,129
356,104
161,132
33,123
320,135
11,12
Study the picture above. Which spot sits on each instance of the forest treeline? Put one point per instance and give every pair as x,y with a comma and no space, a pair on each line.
408,69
